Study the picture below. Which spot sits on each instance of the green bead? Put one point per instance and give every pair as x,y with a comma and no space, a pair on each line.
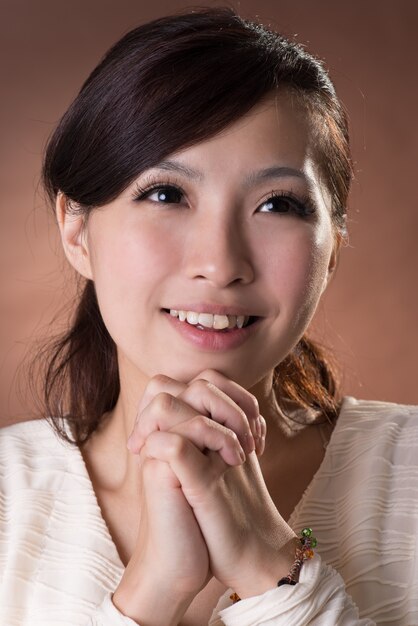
306,532
314,542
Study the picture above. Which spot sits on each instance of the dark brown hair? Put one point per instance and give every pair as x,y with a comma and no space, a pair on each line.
166,85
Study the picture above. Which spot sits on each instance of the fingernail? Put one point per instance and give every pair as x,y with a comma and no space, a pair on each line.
242,455
258,427
260,444
249,442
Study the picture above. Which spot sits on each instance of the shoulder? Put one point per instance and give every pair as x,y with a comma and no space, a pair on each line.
31,454
371,429
24,429
54,543
370,410
376,416
30,438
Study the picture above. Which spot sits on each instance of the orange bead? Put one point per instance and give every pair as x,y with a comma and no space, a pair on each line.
309,554
235,597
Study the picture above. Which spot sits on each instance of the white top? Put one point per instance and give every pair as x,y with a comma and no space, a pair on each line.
59,565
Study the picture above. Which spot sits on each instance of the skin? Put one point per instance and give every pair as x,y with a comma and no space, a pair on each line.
193,416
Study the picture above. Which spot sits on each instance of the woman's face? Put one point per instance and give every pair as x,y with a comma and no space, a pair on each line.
238,225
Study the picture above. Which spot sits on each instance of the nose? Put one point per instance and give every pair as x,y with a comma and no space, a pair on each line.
218,251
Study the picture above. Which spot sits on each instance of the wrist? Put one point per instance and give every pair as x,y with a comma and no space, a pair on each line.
303,550
265,570
150,603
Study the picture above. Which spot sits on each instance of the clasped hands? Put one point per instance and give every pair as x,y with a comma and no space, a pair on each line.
204,507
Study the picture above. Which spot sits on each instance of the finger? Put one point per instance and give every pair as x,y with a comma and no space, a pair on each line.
204,397
260,442
242,397
209,400
194,470
167,413
163,412
208,435
157,384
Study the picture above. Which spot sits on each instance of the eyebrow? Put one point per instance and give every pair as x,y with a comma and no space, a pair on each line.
252,178
273,172
173,166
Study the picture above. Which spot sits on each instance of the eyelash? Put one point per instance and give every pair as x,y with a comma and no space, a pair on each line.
141,192
302,207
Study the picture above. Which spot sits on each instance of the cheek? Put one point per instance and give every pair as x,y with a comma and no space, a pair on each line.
129,265
133,253
298,266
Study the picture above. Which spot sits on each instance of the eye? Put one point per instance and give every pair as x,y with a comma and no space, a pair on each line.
287,203
161,194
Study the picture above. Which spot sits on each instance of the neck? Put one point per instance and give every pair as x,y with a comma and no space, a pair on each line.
116,468
112,467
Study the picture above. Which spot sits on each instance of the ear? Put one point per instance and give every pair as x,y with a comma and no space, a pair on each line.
73,232
333,261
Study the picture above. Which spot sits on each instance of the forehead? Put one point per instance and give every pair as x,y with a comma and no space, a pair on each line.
272,140
276,130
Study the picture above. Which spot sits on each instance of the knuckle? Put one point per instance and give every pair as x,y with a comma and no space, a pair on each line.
156,382
253,404
176,447
165,402
202,384
242,415
198,424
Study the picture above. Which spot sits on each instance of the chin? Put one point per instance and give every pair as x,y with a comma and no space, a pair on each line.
186,371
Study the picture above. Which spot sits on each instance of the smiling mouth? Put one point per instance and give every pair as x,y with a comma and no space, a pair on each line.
212,322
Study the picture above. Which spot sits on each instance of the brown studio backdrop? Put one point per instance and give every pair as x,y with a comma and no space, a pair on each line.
369,314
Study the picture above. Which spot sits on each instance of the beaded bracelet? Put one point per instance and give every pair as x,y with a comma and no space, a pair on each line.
303,553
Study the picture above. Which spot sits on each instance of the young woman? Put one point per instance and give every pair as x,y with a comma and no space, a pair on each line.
200,183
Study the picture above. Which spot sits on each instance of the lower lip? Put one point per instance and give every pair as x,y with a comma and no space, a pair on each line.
212,340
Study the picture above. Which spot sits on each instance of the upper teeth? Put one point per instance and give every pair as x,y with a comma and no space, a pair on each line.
218,322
